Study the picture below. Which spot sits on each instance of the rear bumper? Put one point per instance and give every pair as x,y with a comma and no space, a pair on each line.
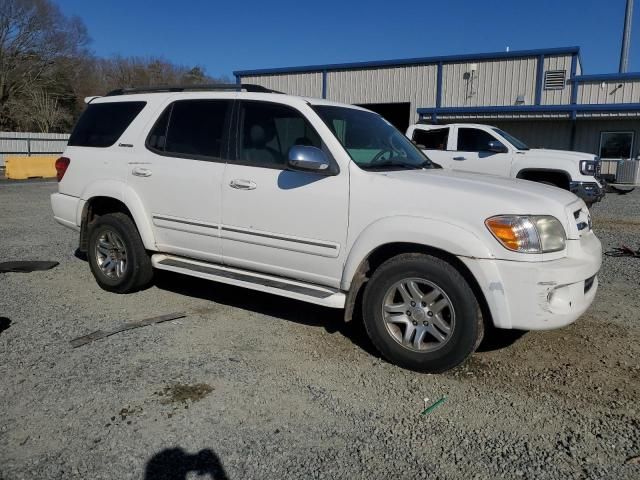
65,210
540,295
590,192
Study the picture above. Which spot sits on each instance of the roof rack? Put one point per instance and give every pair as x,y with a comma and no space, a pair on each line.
232,87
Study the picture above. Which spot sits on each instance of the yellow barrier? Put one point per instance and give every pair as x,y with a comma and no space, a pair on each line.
19,167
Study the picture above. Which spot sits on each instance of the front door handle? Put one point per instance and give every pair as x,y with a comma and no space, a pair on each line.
141,172
242,184
459,158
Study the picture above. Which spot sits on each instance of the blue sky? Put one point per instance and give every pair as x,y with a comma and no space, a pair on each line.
223,36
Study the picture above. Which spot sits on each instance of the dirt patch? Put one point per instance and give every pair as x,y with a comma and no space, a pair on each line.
617,222
182,393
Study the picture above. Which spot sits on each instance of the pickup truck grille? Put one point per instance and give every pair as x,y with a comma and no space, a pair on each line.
598,171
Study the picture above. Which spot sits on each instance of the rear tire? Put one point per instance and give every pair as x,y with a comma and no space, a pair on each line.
117,257
421,314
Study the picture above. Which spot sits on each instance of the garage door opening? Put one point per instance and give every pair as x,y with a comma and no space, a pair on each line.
398,114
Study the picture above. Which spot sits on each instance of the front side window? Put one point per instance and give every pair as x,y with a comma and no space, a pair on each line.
371,141
474,140
616,145
434,139
102,124
269,130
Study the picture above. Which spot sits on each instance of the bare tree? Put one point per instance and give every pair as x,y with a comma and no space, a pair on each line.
33,35
46,69
45,111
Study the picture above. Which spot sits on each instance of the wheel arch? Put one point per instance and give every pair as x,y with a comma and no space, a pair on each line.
366,255
536,174
104,199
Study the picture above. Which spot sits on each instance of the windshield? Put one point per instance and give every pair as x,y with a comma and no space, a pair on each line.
371,141
519,144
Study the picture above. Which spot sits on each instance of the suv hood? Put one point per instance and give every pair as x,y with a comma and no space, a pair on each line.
466,197
507,190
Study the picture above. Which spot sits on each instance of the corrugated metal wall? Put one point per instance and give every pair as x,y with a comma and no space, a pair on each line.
415,84
496,82
540,134
609,92
588,133
556,97
25,142
302,84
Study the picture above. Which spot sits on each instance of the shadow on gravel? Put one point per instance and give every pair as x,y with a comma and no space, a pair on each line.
272,305
498,338
176,464
5,323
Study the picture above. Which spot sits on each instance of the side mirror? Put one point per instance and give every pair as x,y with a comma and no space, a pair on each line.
497,147
308,159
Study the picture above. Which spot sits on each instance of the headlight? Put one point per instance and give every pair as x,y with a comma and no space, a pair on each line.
588,167
528,233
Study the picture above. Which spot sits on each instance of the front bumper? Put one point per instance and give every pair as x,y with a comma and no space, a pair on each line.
540,295
590,192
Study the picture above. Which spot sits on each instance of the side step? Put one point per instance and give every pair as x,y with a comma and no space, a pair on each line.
306,292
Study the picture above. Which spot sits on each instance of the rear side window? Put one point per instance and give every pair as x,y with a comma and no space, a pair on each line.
435,139
473,140
102,124
191,128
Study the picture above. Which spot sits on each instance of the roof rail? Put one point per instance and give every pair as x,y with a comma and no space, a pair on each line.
232,87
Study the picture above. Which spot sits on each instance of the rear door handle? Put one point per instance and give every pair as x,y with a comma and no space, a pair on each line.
141,172
241,184
459,158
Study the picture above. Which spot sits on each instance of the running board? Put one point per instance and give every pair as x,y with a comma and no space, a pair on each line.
305,292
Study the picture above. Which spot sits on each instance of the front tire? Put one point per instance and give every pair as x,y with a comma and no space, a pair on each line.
117,257
421,314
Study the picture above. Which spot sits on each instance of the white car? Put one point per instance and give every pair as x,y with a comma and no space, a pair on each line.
487,149
318,201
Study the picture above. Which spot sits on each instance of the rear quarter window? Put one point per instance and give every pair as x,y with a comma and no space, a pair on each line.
435,139
102,124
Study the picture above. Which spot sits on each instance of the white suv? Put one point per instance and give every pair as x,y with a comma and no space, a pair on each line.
487,149
321,202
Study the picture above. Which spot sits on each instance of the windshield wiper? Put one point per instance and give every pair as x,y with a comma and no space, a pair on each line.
388,163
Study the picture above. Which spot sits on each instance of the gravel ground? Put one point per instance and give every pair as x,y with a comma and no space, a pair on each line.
254,386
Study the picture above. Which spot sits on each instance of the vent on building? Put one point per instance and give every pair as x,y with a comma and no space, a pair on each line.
554,79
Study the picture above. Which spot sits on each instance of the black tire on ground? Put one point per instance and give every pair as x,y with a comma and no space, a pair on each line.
468,327
138,272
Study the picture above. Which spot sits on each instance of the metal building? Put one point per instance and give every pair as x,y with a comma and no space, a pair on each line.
540,95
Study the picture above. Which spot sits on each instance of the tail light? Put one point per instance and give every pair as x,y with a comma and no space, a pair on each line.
61,167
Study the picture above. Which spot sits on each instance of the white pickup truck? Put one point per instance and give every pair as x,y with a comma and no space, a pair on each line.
324,203
487,149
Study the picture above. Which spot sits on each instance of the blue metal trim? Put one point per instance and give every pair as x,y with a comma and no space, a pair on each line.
608,76
324,84
612,107
238,80
539,76
411,61
574,84
439,86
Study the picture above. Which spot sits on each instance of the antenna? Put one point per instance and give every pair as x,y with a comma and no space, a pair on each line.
626,38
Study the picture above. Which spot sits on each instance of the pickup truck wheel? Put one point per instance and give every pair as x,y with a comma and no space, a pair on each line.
117,256
421,314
